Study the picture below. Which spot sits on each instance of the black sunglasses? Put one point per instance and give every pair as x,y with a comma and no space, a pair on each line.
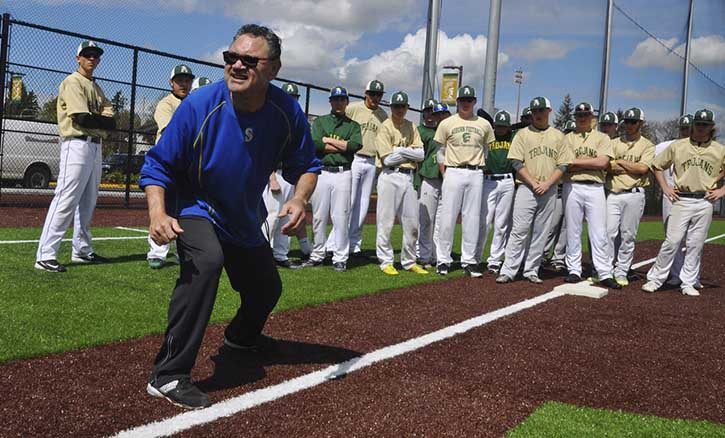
630,121
374,93
231,58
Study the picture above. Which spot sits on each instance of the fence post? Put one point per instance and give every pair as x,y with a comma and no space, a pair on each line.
307,102
4,43
131,128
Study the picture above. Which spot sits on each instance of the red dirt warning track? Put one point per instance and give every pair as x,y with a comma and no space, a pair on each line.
660,354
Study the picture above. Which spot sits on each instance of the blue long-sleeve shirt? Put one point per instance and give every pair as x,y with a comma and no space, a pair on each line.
217,161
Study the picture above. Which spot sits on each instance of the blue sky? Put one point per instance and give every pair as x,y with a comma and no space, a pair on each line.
558,43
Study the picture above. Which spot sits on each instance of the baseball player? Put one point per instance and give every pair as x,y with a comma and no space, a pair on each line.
200,82
399,150
370,116
181,82
628,176
584,197
431,179
540,159
84,117
463,143
336,138
684,126
608,124
697,163
275,195
498,193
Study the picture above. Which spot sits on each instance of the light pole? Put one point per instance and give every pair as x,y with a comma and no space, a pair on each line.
518,79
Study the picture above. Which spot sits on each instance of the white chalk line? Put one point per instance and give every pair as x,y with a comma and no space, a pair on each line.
652,260
8,242
138,230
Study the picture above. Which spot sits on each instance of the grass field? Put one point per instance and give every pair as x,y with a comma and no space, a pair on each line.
555,419
46,313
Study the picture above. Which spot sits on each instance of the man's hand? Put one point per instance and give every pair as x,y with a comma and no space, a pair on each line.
714,195
670,193
164,228
295,210
541,188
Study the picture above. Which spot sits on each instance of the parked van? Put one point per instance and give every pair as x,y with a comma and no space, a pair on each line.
29,152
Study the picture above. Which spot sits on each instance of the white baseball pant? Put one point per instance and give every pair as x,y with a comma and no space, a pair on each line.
396,197
157,251
363,177
429,206
666,209
624,211
586,201
461,191
531,216
690,221
272,228
331,198
496,206
75,199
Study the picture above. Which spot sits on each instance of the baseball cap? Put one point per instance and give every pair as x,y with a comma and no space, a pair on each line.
526,112
685,121
88,45
375,86
429,104
200,82
634,113
291,89
570,126
609,117
502,118
440,108
466,91
338,92
181,69
540,103
583,108
704,116
399,98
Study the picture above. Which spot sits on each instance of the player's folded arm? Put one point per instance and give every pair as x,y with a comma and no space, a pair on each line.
298,157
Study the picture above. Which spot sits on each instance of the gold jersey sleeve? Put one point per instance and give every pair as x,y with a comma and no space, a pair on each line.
466,140
696,168
392,136
541,151
80,95
641,151
370,122
164,110
591,144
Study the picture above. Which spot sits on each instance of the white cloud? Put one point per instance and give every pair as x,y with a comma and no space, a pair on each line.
652,93
539,48
705,50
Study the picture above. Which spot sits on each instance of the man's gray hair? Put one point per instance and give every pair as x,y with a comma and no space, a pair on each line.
273,41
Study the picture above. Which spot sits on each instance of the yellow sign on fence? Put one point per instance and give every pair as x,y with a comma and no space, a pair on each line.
16,88
449,86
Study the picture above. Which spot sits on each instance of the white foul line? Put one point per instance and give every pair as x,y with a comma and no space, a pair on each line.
68,240
248,400
652,260
138,230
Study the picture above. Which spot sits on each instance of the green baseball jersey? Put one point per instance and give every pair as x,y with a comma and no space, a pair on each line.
79,95
340,127
429,167
498,151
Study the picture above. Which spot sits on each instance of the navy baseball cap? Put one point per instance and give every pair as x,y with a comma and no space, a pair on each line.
338,92
440,108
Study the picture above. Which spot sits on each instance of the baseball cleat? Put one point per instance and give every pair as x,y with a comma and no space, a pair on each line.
690,291
557,267
390,270
310,263
650,287
473,271
610,283
287,264
181,393
49,266
533,278
494,269
698,286
622,281
443,269
156,263
504,279
416,269
573,278
340,266
89,258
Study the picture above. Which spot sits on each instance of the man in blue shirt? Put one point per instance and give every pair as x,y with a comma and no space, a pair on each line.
215,156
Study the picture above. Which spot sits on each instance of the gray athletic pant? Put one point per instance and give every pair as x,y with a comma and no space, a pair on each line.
252,272
532,216
429,207
556,239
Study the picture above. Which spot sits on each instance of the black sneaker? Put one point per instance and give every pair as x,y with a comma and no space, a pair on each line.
180,392
286,264
494,269
310,263
610,283
473,271
90,258
572,278
260,344
340,266
49,266
443,269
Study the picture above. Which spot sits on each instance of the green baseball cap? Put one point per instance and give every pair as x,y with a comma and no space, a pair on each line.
200,82
466,91
583,108
291,89
375,86
569,126
429,104
634,113
540,103
609,117
181,69
704,116
502,118
399,98
88,45
526,112
685,121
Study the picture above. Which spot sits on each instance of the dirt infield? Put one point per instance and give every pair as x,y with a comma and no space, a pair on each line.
660,354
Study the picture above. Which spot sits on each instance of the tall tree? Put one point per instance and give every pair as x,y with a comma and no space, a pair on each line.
26,107
49,111
564,113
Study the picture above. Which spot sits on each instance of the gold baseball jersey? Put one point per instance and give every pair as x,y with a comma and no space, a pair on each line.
164,110
79,95
696,168
641,151
466,141
541,151
392,136
590,144
370,121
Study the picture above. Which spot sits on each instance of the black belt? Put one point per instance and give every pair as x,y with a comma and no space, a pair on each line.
335,169
634,190
400,169
586,182
695,195
467,166
365,156
88,138
492,177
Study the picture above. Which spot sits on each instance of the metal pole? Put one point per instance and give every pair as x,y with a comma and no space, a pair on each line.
686,78
518,79
307,102
3,71
431,51
603,91
131,128
489,74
